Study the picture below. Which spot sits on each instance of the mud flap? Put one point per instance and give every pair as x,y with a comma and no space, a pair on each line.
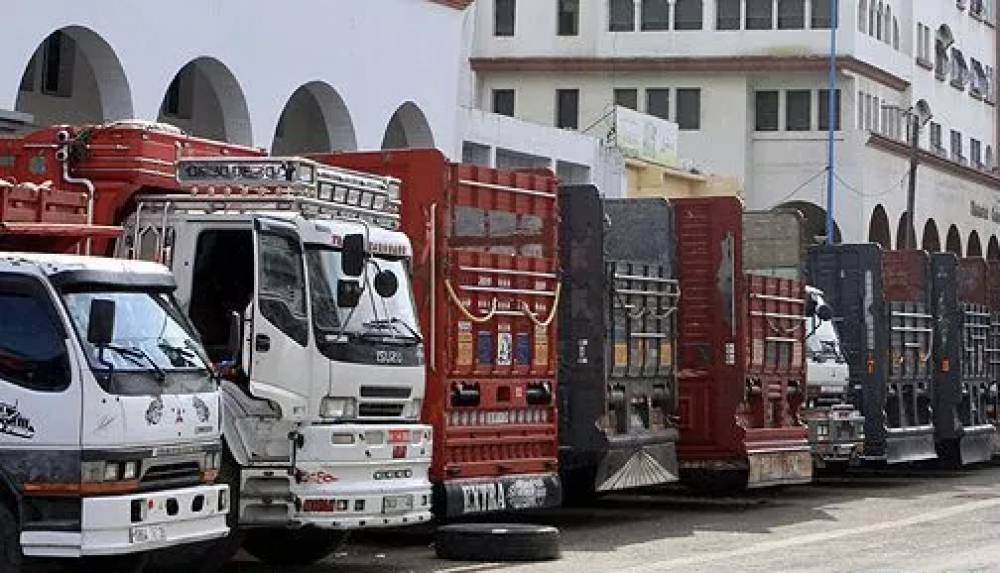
504,494
780,468
976,445
910,445
626,468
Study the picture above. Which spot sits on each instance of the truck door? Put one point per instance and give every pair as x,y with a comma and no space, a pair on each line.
280,328
36,379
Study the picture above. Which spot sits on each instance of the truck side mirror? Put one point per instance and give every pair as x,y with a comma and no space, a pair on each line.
234,346
352,259
101,326
348,293
824,312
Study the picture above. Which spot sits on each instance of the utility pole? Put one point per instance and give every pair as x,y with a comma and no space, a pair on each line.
911,190
831,109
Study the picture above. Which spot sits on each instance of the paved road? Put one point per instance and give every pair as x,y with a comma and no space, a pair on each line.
907,520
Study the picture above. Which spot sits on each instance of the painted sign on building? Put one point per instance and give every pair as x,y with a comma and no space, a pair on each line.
645,137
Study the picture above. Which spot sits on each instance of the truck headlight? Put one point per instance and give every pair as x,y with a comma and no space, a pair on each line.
412,409
331,407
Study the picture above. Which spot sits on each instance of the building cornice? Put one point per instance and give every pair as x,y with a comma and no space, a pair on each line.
456,4
711,64
946,165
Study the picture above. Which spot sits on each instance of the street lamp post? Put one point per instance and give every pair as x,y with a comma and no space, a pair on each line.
919,115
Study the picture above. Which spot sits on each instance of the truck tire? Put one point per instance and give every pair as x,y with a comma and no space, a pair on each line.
497,542
292,547
11,558
208,556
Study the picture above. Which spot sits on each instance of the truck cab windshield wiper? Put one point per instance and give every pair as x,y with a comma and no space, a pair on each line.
138,356
182,356
391,323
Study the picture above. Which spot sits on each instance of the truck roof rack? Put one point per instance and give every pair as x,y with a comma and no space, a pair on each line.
292,184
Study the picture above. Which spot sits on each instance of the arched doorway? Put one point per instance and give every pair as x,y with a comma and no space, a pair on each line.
408,127
993,249
815,221
315,119
931,241
901,238
953,243
74,77
205,99
878,228
974,248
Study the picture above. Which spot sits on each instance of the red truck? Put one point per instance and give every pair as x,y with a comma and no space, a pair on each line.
487,290
742,378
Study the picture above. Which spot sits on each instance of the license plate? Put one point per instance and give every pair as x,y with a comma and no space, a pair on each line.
147,534
399,436
498,417
397,503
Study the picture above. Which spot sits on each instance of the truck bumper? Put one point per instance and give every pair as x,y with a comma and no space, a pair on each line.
119,525
838,452
909,445
498,494
345,507
630,463
976,443
769,468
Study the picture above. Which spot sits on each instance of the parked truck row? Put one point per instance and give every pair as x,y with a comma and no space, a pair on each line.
268,352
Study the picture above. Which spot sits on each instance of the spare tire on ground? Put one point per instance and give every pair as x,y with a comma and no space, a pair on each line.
497,542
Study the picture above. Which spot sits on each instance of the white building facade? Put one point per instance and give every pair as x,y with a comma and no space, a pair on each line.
747,81
309,75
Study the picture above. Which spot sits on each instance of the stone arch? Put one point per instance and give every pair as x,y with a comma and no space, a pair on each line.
74,76
993,249
205,99
315,119
953,243
878,228
901,241
974,248
815,221
408,127
932,240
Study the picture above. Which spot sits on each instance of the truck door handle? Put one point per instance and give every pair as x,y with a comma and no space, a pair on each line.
262,343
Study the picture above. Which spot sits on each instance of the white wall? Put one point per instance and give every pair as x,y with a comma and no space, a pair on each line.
376,55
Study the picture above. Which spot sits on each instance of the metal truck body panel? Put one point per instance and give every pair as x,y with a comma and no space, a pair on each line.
881,304
963,430
738,406
322,422
487,288
617,328
773,243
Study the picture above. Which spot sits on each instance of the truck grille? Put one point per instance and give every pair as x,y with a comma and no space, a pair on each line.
380,410
385,392
171,474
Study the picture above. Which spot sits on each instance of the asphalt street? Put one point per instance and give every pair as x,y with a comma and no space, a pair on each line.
910,519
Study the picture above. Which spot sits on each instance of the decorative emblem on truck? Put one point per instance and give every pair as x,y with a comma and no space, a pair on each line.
154,413
200,409
13,423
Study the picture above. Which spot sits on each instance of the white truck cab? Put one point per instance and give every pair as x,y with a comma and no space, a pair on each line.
110,416
836,427
299,285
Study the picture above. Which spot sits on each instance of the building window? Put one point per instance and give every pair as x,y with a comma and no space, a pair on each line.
822,17
895,33
798,110
766,111
689,108
760,14
959,69
28,79
860,105
956,146
57,65
504,14
791,14
976,153
627,97
940,61
658,102
875,118
569,17
568,109
503,102
824,110
621,16
655,15
988,160
727,15
936,141
688,15
862,16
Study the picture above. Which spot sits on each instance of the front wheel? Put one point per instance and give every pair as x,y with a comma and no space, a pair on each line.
292,547
11,558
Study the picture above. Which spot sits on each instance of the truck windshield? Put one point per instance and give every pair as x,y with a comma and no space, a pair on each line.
154,350
375,316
